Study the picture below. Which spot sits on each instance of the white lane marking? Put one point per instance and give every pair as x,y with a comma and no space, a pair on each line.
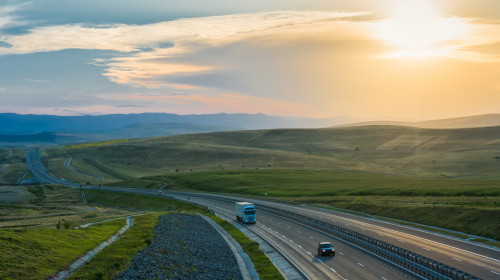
383,278
331,268
426,249
308,252
341,253
311,237
299,231
288,227
457,259
381,234
360,264
401,240
495,272
284,236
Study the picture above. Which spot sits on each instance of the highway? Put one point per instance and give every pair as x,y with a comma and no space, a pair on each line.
298,241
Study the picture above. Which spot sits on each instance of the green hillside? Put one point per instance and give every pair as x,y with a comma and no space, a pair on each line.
450,153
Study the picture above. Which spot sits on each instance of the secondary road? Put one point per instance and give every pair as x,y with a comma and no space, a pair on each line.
299,242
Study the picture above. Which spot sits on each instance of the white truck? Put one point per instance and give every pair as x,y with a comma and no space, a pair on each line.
245,212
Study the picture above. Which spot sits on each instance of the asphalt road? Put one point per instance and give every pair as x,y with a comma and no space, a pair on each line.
299,242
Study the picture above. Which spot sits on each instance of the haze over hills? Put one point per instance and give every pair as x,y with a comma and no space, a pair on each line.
38,129
461,122
17,130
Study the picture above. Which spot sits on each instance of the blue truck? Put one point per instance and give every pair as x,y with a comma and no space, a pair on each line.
245,212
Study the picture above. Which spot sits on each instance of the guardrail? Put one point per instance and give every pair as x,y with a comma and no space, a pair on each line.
417,264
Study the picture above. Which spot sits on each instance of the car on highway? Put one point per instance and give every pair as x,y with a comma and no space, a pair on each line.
326,248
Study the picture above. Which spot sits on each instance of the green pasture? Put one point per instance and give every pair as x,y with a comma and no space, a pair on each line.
401,151
312,183
41,253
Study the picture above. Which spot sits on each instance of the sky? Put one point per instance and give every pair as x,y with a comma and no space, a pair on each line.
366,59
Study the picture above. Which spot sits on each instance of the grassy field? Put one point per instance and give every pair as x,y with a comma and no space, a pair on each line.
334,166
41,253
465,205
52,204
403,151
11,165
290,183
35,248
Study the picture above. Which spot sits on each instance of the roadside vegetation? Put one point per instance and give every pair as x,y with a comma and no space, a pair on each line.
37,238
42,252
464,205
113,259
11,165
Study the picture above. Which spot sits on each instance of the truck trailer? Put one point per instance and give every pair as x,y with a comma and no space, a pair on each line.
245,212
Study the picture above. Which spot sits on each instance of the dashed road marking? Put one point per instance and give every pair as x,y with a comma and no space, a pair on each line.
457,259
426,249
401,240
341,253
360,264
383,278
495,272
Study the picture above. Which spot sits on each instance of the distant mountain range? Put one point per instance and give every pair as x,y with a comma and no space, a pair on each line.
17,130
38,129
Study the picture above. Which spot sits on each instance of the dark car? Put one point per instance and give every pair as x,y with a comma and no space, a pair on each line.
326,248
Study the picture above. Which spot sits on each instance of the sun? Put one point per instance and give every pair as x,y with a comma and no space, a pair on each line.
417,29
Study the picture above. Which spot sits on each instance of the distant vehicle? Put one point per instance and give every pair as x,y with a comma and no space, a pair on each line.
245,212
326,248
160,192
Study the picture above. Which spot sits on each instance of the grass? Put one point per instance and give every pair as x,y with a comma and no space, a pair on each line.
115,258
11,165
93,144
137,202
296,183
465,205
401,151
261,262
41,253
51,204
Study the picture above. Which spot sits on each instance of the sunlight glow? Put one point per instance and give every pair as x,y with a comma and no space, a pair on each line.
418,30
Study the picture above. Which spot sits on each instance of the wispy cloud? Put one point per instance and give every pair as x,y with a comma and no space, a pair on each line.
7,19
147,48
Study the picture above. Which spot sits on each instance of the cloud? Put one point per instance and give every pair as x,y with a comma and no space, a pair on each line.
7,19
148,49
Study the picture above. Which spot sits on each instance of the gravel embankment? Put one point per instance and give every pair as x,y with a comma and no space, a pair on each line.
184,247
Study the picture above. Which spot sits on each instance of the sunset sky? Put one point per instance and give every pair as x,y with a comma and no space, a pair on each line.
383,59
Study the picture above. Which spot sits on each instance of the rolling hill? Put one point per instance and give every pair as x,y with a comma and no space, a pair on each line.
391,150
462,122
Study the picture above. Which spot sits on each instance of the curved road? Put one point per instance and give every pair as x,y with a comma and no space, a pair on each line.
299,242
